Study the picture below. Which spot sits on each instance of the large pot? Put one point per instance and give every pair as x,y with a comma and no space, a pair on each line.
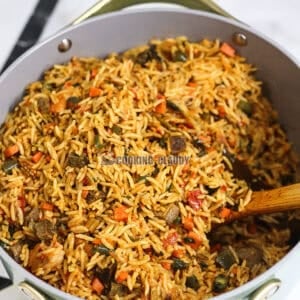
121,30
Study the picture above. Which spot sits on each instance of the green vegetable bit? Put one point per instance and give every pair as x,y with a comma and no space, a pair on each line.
220,283
8,165
173,106
245,107
72,102
192,282
188,240
116,129
177,221
77,161
97,142
178,264
179,56
163,143
102,250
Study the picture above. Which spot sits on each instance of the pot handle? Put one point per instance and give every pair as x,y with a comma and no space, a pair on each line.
106,6
266,290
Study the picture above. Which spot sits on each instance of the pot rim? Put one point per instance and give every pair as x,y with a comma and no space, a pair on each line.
250,285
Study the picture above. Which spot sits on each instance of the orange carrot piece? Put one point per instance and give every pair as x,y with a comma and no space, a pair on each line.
197,241
188,223
120,213
94,92
161,108
11,150
59,106
97,286
225,212
178,253
94,72
192,84
227,49
122,276
84,194
47,206
166,265
37,157
97,241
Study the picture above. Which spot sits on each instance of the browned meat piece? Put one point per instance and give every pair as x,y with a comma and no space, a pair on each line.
172,214
177,144
44,230
250,254
16,250
43,105
33,215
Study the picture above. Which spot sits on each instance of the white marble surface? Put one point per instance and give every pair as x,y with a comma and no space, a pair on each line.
277,19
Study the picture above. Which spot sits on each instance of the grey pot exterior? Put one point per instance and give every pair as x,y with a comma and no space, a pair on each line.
122,30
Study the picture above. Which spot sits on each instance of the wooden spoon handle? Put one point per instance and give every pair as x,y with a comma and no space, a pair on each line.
276,200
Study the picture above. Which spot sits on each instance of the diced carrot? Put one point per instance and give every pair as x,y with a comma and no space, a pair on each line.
193,199
22,202
47,206
188,223
94,72
97,286
161,108
88,248
192,84
68,84
120,213
225,212
60,105
85,180
178,253
37,157
166,265
251,228
197,241
227,49
97,241
171,239
84,194
94,92
122,276
11,150
221,111
234,270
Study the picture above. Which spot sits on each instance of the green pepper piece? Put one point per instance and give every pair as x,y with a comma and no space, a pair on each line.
192,282
245,107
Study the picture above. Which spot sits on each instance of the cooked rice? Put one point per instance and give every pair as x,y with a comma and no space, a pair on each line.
207,88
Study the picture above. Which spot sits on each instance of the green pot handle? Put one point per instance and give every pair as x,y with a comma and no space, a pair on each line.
106,6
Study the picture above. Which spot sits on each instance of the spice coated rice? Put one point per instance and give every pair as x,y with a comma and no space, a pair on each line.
96,227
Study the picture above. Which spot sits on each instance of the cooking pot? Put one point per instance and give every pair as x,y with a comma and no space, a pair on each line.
119,31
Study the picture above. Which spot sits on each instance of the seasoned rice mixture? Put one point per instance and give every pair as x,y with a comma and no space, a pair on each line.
114,170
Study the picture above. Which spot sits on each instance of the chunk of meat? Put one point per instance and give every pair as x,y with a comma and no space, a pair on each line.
172,213
44,230
33,215
250,254
16,250
177,144
43,104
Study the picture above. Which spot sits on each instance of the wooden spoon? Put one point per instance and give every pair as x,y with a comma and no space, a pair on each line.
270,201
